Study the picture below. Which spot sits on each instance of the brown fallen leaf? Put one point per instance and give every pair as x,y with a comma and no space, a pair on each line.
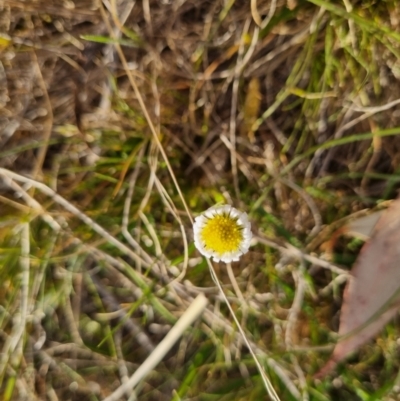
372,295
364,226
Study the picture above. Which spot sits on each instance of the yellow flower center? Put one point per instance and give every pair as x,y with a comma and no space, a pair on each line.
222,234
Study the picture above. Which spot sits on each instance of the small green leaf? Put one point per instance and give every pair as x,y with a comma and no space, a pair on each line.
108,40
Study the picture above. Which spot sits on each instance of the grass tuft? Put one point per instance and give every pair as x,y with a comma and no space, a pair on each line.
122,121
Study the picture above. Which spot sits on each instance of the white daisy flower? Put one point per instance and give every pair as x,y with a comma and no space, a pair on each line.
222,232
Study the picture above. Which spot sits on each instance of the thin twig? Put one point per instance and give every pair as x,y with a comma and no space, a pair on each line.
296,253
254,12
70,320
267,383
127,207
171,207
122,368
235,285
31,202
271,12
296,306
13,347
72,209
310,202
376,109
47,126
232,124
242,301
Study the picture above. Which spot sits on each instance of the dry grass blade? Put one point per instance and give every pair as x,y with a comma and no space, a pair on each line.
12,351
266,381
193,312
72,209
144,108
